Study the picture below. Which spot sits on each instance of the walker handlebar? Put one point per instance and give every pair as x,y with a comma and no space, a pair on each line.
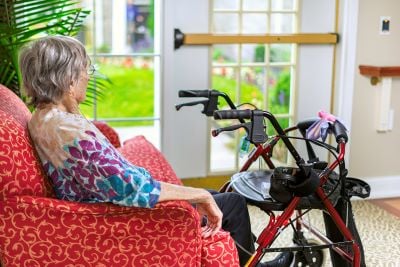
233,114
196,93
210,101
339,131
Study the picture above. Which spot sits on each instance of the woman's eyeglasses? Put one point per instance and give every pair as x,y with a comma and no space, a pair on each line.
92,69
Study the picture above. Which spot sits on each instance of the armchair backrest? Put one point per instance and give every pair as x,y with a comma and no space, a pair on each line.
20,168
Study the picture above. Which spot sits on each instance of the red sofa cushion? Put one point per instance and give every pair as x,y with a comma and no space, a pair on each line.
11,104
108,132
141,152
20,169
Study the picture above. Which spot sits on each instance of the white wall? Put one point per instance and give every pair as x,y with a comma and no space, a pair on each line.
375,156
184,133
315,61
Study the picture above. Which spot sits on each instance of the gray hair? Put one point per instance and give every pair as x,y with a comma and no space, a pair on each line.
49,66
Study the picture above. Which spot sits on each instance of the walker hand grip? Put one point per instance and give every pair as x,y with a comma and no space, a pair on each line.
339,131
305,124
194,93
232,114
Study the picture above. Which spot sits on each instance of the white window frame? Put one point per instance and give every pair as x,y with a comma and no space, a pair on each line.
266,64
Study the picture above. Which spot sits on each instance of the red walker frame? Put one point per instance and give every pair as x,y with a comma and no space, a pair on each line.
262,149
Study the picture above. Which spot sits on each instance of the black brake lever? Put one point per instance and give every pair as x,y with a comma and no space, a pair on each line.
246,126
204,102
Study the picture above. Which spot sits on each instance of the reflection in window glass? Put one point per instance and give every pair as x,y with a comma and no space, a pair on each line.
258,5
280,53
121,26
226,4
226,23
225,54
253,53
282,23
255,23
139,26
283,4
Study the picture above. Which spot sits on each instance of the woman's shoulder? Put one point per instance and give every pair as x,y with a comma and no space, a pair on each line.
61,124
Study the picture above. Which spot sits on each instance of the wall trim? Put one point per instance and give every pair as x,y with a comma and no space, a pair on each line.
383,186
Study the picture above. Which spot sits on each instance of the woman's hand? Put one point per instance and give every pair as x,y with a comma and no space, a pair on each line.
213,215
203,200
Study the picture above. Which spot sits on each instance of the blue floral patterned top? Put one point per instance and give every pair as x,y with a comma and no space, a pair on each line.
84,166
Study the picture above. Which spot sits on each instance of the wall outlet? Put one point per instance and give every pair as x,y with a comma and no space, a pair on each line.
384,25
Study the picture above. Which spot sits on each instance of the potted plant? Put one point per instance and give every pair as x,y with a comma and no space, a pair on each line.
24,20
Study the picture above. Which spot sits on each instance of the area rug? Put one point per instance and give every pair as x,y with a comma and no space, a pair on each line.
379,231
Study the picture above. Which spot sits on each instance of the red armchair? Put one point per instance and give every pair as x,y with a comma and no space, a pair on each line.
36,229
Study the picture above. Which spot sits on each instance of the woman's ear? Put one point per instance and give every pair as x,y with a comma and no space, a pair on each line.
71,91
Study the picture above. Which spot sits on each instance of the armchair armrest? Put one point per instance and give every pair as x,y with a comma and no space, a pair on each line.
44,230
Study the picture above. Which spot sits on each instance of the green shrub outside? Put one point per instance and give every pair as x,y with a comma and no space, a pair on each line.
132,94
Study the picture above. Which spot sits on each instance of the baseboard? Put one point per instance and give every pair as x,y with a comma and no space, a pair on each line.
384,186
211,182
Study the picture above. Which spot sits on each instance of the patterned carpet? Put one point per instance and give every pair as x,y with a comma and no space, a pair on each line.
379,231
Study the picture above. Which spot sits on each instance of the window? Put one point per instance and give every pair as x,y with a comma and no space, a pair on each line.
122,38
260,75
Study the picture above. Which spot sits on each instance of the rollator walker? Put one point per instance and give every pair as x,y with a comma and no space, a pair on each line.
293,191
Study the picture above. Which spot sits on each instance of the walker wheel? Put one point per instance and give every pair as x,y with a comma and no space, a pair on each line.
316,257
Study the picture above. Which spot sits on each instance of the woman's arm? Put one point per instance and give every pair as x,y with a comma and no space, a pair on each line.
204,201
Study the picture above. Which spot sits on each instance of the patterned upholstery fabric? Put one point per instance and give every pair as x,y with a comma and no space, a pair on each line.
38,230
220,250
43,231
17,156
108,132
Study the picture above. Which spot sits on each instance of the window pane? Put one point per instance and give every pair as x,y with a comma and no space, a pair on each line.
279,90
252,86
85,35
223,148
224,79
255,23
280,151
253,53
282,4
280,53
225,54
226,4
259,5
226,23
120,27
282,23
140,26
132,91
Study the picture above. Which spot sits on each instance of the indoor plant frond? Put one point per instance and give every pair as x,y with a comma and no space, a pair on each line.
24,20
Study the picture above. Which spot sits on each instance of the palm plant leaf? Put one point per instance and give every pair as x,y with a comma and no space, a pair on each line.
23,20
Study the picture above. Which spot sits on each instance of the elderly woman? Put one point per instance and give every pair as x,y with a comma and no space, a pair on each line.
81,162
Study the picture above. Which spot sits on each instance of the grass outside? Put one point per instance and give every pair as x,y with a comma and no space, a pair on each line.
132,94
